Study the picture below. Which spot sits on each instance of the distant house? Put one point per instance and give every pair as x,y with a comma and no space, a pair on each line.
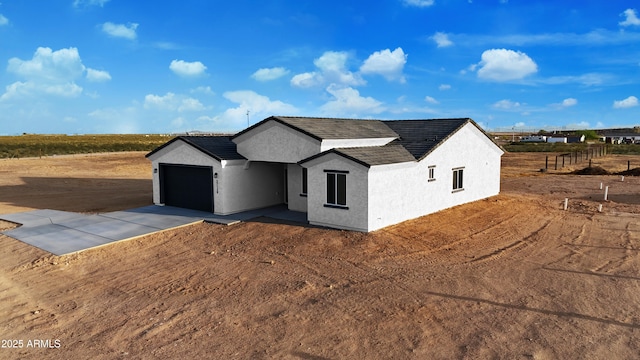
533,138
349,174
561,138
622,138
557,139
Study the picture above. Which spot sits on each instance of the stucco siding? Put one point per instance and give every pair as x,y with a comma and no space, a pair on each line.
276,142
396,194
401,192
249,187
353,218
297,202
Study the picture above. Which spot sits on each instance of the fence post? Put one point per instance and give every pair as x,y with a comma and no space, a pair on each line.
556,168
546,162
628,165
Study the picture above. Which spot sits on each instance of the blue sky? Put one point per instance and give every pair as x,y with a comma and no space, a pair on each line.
115,66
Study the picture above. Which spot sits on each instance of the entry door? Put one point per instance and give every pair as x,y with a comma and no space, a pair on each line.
187,186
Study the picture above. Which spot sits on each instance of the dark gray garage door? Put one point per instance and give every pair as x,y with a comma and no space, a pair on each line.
187,186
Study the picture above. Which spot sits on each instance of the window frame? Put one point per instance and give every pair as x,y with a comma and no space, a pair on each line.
432,173
336,190
458,179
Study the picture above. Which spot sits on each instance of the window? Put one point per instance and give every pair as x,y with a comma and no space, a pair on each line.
457,179
336,189
304,182
432,173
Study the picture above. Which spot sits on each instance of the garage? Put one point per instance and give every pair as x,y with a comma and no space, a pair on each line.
187,186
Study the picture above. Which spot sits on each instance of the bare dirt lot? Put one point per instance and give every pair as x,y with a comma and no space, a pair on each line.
514,276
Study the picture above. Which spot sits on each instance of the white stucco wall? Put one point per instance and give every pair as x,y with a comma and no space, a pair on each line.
400,192
556,139
273,141
297,202
353,218
180,153
240,187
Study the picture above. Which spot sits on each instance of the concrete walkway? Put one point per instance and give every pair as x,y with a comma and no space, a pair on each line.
61,232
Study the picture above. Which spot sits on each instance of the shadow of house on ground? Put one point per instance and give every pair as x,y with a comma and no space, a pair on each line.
90,195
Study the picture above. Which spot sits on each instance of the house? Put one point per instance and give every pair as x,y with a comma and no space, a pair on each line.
557,139
534,138
349,174
567,139
622,138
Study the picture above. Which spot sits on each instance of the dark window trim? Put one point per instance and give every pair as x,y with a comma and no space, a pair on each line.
305,180
335,197
333,206
337,171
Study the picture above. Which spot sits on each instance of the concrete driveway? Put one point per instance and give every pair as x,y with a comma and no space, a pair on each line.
61,232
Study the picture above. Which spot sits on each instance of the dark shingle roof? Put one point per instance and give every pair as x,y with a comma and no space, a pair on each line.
377,155
370,155
218,147
420,137
329,128
414,139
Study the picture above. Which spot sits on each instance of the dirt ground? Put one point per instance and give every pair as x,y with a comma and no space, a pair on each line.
514,276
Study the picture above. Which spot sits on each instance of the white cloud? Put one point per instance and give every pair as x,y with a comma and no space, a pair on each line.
306,80
29,88
519,124
588,79
47,72
431,100
120,30
332,68
629,102
3,20
172,102
348,102
187,69
259,107
631,18
268,74
203,90
117,121
386,63
569,102
46,64
505,65
442,39
444,87
78,3
418,3
97,75
190,104
506,105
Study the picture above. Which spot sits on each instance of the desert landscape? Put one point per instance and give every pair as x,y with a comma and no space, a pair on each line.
514,276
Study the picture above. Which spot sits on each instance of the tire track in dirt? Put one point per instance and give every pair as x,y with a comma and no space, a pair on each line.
627,245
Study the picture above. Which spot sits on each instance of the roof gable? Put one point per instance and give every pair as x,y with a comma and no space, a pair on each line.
370,155
218,147
420,137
